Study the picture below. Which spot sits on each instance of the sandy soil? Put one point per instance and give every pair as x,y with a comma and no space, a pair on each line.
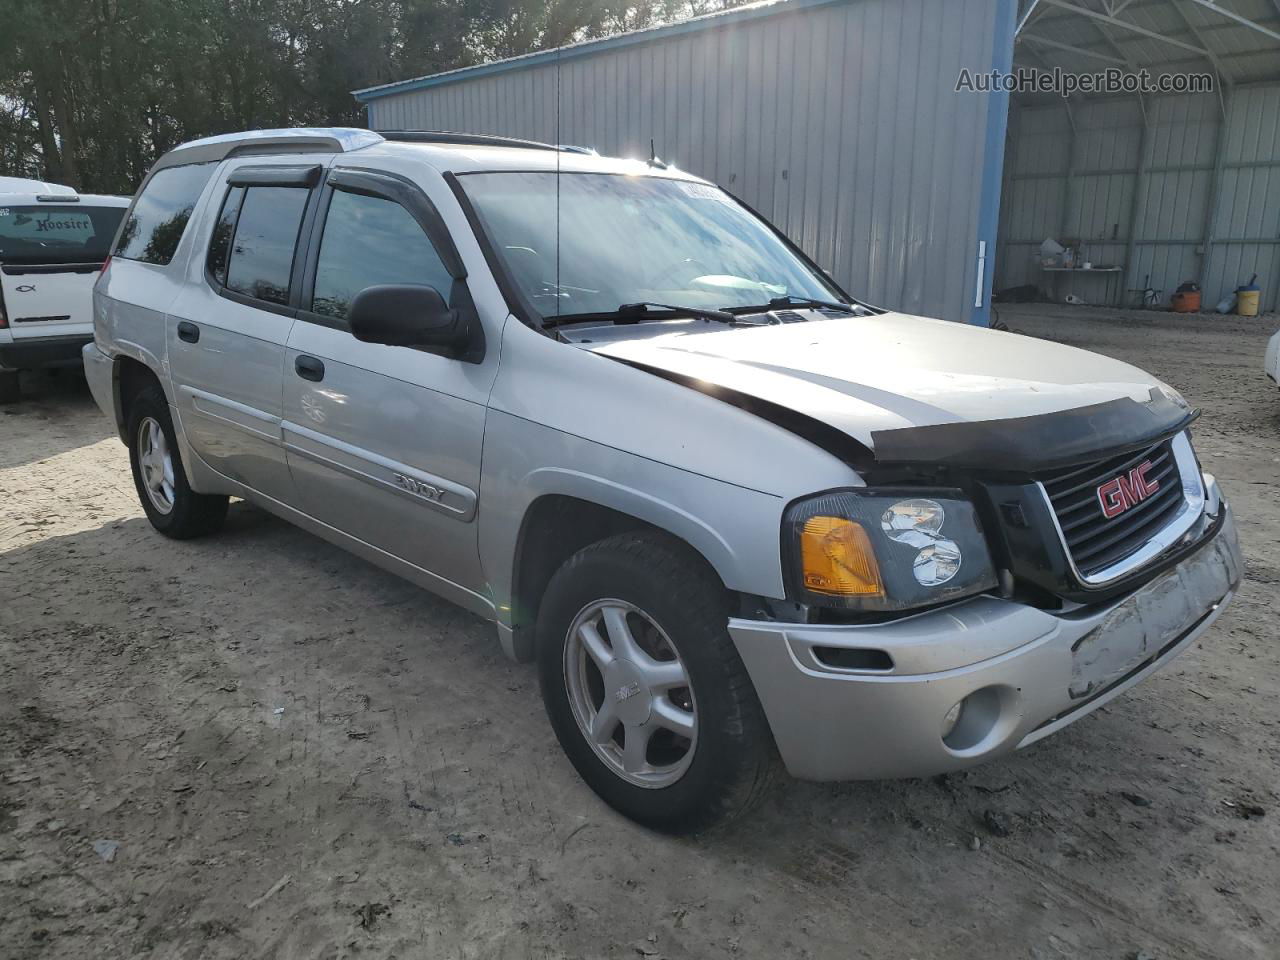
299,755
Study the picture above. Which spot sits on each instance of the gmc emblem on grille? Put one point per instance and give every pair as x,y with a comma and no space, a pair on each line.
1127,490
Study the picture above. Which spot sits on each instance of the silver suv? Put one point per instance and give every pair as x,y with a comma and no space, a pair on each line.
732,513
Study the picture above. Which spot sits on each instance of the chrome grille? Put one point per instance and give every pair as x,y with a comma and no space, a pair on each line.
1095,542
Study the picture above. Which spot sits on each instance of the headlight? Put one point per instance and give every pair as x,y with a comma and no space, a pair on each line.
884,550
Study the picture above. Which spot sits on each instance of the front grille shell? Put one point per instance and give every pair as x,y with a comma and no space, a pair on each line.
1100,549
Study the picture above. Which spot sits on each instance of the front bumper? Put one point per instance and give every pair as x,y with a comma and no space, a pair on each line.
1023,673
33,353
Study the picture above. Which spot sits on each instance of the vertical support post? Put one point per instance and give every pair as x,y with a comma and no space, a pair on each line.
1211,207
1136,208
1069,176
1006,21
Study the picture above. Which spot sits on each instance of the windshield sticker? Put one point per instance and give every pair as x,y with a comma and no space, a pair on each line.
68,227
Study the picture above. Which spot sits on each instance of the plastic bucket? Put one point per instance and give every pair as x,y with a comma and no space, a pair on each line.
1247,299
1188,302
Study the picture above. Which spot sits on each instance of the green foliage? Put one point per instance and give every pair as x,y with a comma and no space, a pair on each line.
92,91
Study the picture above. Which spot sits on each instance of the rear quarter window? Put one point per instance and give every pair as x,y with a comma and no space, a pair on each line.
160,213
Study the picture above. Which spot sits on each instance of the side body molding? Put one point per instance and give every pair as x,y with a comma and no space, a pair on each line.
383,473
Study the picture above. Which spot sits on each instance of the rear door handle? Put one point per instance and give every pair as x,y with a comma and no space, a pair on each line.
308,368
188,331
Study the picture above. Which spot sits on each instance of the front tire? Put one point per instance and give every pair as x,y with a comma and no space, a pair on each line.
171,505
644,688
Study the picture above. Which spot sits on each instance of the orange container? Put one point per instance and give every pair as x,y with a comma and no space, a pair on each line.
1188,302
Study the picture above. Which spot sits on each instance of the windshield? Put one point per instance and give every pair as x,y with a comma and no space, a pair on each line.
630,239
57,233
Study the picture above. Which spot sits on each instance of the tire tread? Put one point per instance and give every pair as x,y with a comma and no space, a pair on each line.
693,587
194,514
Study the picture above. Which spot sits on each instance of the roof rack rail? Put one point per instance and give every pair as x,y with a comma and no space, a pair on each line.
476,140
266,142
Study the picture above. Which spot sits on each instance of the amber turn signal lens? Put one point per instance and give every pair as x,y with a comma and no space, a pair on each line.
837,558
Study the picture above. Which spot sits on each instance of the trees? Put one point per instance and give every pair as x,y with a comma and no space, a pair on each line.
92,91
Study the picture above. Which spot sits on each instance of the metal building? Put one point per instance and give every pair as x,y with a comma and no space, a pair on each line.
1169,189
840,121
836,119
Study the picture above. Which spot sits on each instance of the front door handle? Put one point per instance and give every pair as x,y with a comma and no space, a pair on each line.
308,368
188,331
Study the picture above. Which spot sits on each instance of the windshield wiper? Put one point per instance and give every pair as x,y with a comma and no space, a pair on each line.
781,303
635,312
638,310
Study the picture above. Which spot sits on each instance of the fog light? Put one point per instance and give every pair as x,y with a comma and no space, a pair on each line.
979,722
951,719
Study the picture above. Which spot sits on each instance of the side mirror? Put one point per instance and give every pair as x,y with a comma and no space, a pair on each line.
406,315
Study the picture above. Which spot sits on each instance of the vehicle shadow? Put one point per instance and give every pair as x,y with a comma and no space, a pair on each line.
56,414
278,667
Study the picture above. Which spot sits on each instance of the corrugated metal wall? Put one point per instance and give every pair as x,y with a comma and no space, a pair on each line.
838,122
1094,181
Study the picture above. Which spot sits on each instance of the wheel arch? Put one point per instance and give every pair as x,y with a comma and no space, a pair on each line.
556,525
129,373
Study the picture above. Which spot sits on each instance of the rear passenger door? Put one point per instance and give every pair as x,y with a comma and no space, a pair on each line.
227,335
384,442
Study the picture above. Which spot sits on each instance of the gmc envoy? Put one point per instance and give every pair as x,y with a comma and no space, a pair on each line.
733,513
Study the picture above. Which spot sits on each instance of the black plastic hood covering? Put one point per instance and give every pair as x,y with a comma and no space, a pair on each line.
1042,442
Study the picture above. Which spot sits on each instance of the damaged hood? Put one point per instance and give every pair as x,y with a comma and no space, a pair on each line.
912,389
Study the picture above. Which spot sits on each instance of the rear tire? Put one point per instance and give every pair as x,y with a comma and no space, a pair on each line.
171,505
656,616
10,387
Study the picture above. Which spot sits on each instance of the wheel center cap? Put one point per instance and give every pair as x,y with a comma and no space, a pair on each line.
625,686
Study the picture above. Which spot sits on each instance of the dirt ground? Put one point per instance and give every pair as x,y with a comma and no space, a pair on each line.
300,755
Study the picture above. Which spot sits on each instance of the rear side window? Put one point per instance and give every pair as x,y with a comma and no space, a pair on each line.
160,214
220,242
251,251
366,241
57,233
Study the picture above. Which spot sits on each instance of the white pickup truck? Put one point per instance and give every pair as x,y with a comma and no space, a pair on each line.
53,242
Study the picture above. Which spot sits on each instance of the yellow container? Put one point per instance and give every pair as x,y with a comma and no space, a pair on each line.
1247,302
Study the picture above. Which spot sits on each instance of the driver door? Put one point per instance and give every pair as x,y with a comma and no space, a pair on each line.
384,442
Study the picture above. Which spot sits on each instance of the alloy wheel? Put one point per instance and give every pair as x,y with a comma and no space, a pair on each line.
156,464
630,693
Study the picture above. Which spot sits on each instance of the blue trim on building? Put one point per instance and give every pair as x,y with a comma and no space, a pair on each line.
993,154
712,21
